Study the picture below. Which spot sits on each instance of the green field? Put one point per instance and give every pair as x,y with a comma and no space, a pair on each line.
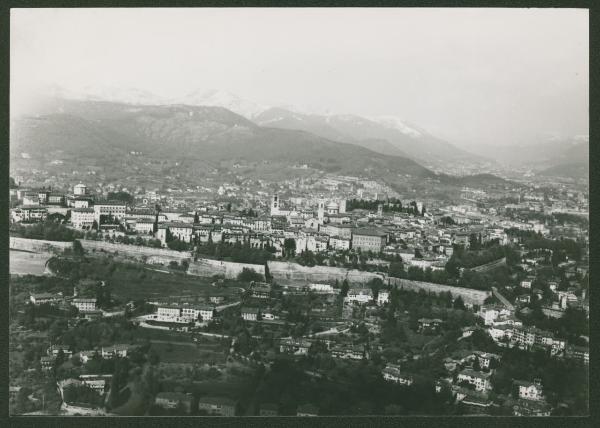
136,281
181,352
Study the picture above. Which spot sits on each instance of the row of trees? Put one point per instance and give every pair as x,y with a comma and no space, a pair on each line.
238,252
48,230
390,205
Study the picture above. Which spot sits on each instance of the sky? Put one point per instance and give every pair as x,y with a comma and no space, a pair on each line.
475,77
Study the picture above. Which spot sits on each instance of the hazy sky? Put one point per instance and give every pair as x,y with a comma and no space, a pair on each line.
473,76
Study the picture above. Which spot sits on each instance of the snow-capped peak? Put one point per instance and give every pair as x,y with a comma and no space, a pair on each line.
218,98
394,123
107,93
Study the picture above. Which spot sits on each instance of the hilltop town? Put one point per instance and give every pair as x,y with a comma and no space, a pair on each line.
312,296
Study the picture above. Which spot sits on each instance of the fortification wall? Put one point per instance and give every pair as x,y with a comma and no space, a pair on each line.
138,252
469,295
290,273
209,267
490,266
37,245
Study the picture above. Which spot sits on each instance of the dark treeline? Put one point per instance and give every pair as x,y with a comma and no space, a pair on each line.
390,205
238,252
49,231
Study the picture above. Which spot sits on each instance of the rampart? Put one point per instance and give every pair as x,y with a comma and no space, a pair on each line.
209,267
291,273
469,295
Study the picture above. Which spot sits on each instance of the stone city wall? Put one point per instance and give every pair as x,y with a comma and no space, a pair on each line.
469,295
37,245
290,273
209,267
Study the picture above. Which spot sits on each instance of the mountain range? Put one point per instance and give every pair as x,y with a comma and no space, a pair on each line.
217,125
71,129
386,135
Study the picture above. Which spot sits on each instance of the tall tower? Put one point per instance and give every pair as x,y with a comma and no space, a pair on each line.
321,212
275,204
343,206
380,210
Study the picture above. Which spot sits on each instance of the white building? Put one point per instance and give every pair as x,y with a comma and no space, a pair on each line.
184,314
359,295
530,390
480,380
391,373
321,288
82,218
114,209
383,297
80,189
144,226
85,305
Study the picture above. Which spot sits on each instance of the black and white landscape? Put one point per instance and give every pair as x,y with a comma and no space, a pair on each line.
215,212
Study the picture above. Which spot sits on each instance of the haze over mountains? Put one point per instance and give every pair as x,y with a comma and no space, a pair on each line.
226,119
72,129
387,135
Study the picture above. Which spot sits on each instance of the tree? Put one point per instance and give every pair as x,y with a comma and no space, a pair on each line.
289,245
77,248
249,275
459,304
396,269
345,288
473,242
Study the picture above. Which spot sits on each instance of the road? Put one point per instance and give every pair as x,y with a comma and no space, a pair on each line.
223,307
333,330
503,299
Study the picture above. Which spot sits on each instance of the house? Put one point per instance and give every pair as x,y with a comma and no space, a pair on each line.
184,314
42,298
480,380
260,290
530,390
119,351
580,353
526,283
173,400
145,226
217,406
85,356
54,350
95,382
426,325
268,409
359,295
307,410
343,231
485,358
82,218
337,243
383,297
348,352
47,362
531,408
369,240
84,305
250,314
524,298
490,313
295,346
102,210
391,373
321,288
29,214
